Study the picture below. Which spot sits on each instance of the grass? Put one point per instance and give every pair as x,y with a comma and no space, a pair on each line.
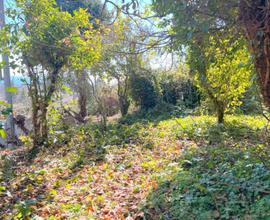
136,170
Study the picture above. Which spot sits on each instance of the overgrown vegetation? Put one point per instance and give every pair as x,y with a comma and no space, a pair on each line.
139,109
224,178
191,165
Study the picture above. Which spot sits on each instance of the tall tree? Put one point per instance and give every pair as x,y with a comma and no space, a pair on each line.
116,63
51,39
255,19
222,71
232,18
98,16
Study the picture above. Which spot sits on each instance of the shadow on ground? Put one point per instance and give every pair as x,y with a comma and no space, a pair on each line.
225,177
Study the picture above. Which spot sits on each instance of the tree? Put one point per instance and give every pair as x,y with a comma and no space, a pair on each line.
51,39
254,18
202,19
116,67
99,15
222,71
143,89
104,102
116,61
177,88
78,82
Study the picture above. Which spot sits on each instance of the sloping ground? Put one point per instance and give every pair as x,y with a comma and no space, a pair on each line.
109,176
226,178
79,182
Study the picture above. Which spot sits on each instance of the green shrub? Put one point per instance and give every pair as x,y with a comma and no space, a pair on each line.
178,90
143,90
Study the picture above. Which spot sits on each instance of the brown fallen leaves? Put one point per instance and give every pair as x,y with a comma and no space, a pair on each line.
111,189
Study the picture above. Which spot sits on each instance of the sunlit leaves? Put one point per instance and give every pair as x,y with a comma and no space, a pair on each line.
55,38
222,70
3,133
5,111
12,89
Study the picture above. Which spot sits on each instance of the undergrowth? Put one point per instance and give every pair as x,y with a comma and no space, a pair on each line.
178,168
222,176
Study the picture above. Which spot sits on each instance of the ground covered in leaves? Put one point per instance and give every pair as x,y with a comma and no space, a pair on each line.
135,171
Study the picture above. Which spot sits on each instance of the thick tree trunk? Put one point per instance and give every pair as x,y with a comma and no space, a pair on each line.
255,19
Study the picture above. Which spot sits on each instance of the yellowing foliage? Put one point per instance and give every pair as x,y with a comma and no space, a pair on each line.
228,73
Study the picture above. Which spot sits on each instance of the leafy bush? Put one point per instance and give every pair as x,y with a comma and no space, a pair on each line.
161,111
143,90
177,89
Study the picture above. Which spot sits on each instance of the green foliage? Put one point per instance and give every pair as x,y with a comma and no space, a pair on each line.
51,37
223,71
24,209
49,40
218,57
95,8
7,164
219,184
224,179
161,111
5,111
199,20
55,124
251,101
143,90
227,75
236,128
178,89
196,22
12,89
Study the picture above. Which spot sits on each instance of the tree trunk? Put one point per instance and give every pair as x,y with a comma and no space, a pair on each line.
40,124
220,115
124,105
122,92
255,19
103,121
83,104
83,88
41,98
